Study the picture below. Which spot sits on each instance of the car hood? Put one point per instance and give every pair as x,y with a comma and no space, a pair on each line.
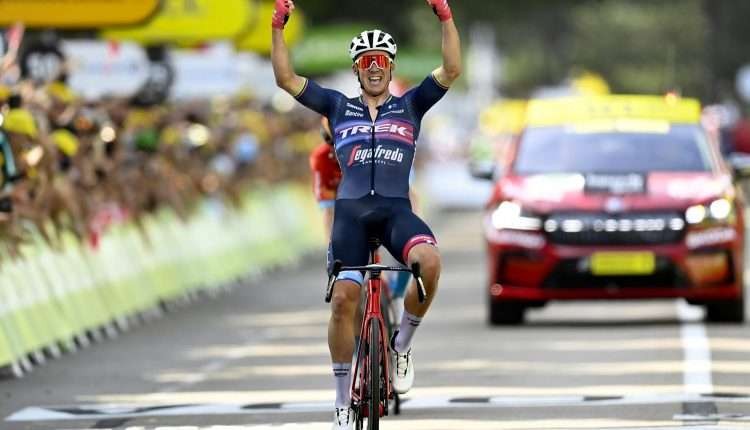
662,190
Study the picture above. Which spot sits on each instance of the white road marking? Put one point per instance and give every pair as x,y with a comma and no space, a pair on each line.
433,424
223,356
713,417
696,349
98,412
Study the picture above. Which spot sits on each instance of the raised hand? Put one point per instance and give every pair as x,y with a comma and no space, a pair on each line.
281,12
441,9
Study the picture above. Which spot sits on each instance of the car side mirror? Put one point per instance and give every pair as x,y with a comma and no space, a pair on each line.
485,170
740,163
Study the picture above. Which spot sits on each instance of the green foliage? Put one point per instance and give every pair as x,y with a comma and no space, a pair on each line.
641,47
325,48
728,41
414,65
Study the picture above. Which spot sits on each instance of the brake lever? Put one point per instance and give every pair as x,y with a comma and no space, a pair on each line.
421,291
332,279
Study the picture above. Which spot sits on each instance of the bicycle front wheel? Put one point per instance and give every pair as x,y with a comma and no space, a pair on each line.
373,389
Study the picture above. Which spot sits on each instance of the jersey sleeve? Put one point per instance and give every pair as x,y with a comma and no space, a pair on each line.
321,100
425,95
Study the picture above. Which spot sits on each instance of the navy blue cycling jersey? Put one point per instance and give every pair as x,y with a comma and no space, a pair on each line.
391,142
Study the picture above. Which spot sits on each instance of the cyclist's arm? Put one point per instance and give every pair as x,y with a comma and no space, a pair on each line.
283,70
321,100
451,68
434,87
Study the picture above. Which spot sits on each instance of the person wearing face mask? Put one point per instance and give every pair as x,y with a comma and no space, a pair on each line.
374,136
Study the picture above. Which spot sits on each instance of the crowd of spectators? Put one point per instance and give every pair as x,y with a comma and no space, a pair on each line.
74,165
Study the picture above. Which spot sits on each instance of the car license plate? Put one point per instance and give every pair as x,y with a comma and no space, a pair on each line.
622,263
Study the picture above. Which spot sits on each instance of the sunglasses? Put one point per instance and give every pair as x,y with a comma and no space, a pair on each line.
381,61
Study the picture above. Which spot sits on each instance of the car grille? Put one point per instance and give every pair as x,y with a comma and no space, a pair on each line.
611,229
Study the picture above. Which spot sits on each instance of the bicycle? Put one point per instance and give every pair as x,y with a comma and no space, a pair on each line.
371,388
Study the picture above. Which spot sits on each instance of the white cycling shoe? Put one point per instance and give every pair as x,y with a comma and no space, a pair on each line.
343,419
403,369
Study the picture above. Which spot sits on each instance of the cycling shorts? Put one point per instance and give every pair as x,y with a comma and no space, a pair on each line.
390,219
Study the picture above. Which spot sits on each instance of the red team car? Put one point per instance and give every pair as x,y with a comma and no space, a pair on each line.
614,197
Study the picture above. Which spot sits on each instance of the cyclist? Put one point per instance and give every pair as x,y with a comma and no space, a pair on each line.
326,174
374,137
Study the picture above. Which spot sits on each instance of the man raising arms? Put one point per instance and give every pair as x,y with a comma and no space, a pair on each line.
374,136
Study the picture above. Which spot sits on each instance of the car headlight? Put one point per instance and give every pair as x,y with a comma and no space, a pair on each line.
510,215
718,210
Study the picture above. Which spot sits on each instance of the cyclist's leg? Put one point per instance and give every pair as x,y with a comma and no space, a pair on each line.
411,240
348,244
359,312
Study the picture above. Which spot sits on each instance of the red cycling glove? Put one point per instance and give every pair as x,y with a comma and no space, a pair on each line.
281,12
441,9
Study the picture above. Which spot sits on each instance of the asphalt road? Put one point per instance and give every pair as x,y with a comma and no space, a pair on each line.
256,358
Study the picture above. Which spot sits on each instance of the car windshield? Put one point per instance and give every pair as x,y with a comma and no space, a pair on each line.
559,150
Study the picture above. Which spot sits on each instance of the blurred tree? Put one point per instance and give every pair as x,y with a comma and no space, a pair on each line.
728,41
642,46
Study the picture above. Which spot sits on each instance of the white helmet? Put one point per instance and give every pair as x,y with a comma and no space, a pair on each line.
372,40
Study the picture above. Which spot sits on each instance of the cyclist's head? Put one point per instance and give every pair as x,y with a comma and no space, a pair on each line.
373,53
325,131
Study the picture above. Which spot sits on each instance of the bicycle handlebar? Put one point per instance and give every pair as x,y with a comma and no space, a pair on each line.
414,270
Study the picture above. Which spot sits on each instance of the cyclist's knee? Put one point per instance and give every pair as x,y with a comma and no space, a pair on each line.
344,300
428,257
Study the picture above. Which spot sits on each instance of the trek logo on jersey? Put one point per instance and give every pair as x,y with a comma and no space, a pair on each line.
382,155
355,107
401,131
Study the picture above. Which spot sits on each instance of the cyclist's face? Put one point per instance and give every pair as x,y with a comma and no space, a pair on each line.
374,79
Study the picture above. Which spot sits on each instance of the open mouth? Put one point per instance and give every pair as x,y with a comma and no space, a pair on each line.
375,79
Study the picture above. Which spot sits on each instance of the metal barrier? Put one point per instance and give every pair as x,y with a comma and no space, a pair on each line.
60,300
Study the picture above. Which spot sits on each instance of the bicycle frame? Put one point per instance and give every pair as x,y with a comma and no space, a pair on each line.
372,315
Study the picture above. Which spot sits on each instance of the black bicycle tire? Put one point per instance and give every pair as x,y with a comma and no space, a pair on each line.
373,412
358,425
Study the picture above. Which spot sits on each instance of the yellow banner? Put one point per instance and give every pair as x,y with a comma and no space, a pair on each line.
258,38
190,21
75,14
574,110
504,117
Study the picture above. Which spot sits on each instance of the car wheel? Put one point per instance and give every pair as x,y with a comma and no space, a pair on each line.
505,313
732,311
